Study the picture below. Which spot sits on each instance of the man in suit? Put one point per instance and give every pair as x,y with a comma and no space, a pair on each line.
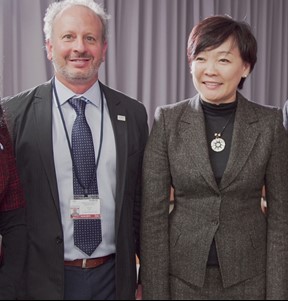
43,124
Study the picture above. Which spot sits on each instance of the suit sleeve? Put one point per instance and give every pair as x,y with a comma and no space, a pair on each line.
155,214
277,201
144,131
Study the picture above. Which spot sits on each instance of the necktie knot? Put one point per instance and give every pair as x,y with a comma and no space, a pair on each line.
78,104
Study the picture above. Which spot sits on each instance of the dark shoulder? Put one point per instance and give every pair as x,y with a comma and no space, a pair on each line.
133,111
21,101
178,106
262,111
172,113
115,96
263,108
175,108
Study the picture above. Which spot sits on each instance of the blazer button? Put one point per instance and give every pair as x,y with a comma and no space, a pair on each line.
59,240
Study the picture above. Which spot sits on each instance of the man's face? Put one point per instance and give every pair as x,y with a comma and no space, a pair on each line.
76,47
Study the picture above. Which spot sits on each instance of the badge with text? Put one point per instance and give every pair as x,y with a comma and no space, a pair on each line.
85,208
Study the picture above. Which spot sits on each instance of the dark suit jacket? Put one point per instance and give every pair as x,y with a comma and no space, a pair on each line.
248,243
31,125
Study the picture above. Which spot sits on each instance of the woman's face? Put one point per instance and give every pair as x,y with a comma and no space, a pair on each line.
217,72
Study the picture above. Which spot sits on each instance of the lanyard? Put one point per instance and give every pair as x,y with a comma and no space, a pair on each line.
69,143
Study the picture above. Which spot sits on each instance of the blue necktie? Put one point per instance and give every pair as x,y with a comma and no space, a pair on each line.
87,232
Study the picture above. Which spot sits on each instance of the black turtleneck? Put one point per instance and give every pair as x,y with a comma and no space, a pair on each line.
216,118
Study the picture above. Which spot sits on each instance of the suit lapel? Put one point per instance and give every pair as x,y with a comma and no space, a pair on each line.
119,123
244,137
193,133
43,119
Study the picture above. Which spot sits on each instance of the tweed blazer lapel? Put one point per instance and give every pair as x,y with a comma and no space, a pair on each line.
244,138
193,133
43,129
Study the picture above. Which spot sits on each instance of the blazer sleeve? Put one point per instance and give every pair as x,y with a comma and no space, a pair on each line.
277,202
155,212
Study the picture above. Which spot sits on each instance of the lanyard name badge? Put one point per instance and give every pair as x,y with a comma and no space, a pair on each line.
86,206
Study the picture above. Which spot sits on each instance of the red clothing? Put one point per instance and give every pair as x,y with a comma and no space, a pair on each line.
11,195
12,220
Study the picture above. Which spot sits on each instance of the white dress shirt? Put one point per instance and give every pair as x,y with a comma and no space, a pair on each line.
106,172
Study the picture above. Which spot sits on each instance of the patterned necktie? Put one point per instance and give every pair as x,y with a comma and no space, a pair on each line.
87,232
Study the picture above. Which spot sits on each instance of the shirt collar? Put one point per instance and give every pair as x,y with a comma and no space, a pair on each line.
64,94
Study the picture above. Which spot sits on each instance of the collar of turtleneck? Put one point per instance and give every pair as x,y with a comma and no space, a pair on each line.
218,110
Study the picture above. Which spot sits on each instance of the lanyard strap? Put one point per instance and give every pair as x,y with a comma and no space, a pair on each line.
69,143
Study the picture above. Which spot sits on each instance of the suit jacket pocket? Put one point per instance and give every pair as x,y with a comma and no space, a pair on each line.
189,248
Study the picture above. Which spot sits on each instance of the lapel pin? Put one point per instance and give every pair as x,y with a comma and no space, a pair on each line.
121,118
1,147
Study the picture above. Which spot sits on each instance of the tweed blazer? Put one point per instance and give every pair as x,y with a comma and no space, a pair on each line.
248,242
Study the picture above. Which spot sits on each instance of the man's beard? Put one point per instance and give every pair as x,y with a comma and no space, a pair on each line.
74,76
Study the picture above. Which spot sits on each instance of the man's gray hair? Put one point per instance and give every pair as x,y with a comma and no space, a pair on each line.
56,7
